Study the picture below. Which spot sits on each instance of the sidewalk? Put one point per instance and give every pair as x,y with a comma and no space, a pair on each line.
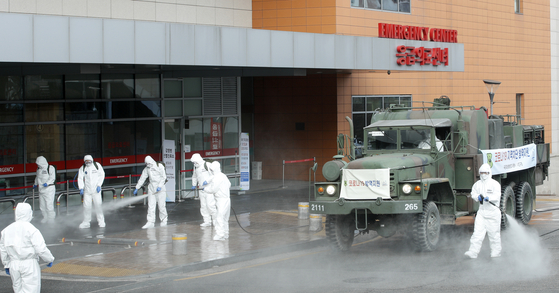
143,252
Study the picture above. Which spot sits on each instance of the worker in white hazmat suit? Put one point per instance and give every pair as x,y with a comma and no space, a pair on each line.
157,194
21,245
44,182
200,177
90,179
488,218
219,187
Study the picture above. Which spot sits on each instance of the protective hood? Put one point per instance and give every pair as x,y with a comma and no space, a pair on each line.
215,167
196,158
150,162
24,212
88,158
42,162
485,168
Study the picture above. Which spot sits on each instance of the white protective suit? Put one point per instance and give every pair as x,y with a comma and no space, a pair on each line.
157,176
488,218
200,175
90,177
219,186
21,245
46,174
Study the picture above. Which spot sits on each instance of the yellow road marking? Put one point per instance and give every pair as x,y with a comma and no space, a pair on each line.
74,269
547,199
283,213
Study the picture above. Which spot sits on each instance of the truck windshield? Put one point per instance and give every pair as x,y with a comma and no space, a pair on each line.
382,139
416,138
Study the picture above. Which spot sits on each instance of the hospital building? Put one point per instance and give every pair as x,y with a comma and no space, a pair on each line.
271,80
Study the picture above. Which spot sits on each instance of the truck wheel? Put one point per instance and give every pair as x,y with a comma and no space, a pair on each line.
524,202
507,204
340,231
427,227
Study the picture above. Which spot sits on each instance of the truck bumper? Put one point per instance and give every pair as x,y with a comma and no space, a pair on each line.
379,207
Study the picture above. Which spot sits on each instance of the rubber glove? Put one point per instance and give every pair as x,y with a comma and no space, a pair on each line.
480,198
49,265
45,185
8,271
98,189
135,191
193,187
486,198
205,183
34,186
158,189
81,191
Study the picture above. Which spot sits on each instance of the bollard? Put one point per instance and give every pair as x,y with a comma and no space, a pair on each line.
303,210
316,222
179,244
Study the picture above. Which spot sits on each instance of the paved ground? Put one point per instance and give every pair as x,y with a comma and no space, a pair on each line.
265,221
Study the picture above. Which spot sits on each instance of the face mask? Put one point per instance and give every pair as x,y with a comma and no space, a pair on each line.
484,176
149,165
88,163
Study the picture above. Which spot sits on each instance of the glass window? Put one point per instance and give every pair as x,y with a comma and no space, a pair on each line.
148,138
416,139
193,135
173,89
12,88
43,87
147,86
357,3
374,103
117,86
358,104
382,139
193,87
42,112
391,5
11,113
358,124
391,101
192,107
84,86
83,110
11,145
373,4
147,109
12,182
46,140
173,108
82,139
118,139
518,6
404,6
230,133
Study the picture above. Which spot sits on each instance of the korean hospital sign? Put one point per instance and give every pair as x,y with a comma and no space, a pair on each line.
423,55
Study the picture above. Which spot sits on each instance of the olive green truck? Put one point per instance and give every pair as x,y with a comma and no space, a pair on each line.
417,168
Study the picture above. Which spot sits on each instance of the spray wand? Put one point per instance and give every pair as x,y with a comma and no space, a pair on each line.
502,211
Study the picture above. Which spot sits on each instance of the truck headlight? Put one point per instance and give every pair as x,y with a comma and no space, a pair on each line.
406,189
330,190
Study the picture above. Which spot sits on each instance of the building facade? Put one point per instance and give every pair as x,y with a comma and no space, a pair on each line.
114,79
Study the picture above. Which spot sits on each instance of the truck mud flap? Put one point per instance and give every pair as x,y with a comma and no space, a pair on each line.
365,212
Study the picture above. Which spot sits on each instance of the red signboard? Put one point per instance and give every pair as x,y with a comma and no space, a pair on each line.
417,33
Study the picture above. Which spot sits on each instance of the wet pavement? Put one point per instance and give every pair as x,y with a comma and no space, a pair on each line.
264,221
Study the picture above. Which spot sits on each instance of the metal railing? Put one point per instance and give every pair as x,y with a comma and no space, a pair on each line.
68,193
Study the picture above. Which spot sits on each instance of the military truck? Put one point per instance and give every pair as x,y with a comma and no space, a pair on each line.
417,170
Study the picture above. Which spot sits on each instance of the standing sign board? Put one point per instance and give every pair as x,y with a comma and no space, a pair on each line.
169,160
245,164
